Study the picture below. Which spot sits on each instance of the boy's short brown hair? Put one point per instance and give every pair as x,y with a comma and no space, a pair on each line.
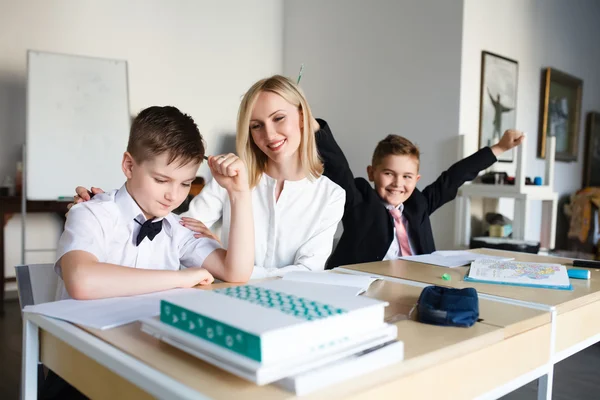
157,130
394,145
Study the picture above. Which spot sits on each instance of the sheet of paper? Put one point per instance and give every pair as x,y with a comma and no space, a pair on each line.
441,261
359,282
106,313
451,258
470,254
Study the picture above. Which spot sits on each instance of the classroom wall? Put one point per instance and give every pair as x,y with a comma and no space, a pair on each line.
538,34
199,55
381,67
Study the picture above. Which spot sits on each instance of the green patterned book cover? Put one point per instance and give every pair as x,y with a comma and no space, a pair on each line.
274,320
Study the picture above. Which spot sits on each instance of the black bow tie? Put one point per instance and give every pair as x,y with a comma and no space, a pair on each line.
149,229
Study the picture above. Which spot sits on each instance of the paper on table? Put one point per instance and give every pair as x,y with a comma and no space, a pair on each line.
451,258
106,313
469,254
358,282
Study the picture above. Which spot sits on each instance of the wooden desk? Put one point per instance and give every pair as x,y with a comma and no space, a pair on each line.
126,363
574,313
12,205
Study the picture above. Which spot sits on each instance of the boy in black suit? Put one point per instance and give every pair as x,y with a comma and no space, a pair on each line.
392,219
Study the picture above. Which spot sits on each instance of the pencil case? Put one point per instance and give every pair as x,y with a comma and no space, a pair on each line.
448,307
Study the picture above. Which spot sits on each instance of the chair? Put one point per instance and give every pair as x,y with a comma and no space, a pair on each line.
36,283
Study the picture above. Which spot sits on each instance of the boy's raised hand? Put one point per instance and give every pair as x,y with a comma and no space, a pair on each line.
511,138
230,172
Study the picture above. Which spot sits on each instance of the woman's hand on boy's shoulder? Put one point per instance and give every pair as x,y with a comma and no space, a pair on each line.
511,139
83,195
230,172
200,230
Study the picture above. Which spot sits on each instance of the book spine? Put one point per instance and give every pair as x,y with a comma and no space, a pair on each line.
203,327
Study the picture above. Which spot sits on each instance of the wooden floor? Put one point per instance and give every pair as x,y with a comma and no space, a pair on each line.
574,378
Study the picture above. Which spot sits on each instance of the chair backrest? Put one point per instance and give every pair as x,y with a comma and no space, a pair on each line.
36,283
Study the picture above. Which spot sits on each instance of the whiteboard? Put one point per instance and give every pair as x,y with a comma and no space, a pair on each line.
77,124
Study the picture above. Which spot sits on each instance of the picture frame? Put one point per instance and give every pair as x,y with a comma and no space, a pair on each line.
591,170
497,100
560,113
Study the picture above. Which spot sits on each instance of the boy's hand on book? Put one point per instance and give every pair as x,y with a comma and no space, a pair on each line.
230,172
199,228
196,276
511,138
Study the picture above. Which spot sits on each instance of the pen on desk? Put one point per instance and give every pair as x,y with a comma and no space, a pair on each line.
300,74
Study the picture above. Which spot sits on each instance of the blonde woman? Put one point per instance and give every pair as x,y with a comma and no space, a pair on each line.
296,209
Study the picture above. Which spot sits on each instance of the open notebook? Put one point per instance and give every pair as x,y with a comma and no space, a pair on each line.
355,284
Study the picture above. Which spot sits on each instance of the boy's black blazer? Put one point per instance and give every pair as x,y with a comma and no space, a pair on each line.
368,228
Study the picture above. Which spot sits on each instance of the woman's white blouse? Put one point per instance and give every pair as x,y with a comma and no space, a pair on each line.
294,233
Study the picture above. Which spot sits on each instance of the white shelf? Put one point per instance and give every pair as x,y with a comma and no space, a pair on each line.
521,193
529,192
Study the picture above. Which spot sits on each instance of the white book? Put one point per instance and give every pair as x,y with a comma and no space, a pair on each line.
255,371
259,321
353,366
517,273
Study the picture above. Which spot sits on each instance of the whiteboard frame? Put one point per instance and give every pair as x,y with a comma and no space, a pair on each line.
28,110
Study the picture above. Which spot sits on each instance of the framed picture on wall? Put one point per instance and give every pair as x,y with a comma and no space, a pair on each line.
561,109
498,100
591,171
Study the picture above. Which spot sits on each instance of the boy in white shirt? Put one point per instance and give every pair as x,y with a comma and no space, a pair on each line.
127,242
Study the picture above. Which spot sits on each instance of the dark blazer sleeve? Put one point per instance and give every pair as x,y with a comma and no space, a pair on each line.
336,166
445,188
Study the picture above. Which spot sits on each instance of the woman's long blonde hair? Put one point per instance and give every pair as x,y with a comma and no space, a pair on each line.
248,151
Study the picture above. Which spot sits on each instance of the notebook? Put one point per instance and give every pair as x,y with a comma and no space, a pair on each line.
517,273
358,283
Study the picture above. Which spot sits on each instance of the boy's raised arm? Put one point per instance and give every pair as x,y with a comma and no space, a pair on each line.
336,165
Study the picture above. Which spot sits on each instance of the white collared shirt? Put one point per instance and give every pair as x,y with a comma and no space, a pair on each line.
106,227
294,233
394,252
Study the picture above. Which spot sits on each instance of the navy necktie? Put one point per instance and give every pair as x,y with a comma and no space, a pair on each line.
149,229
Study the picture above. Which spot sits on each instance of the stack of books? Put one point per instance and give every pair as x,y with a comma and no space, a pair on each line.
304,335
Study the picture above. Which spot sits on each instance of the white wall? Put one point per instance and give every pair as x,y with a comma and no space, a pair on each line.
199,55
380,67
538,34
